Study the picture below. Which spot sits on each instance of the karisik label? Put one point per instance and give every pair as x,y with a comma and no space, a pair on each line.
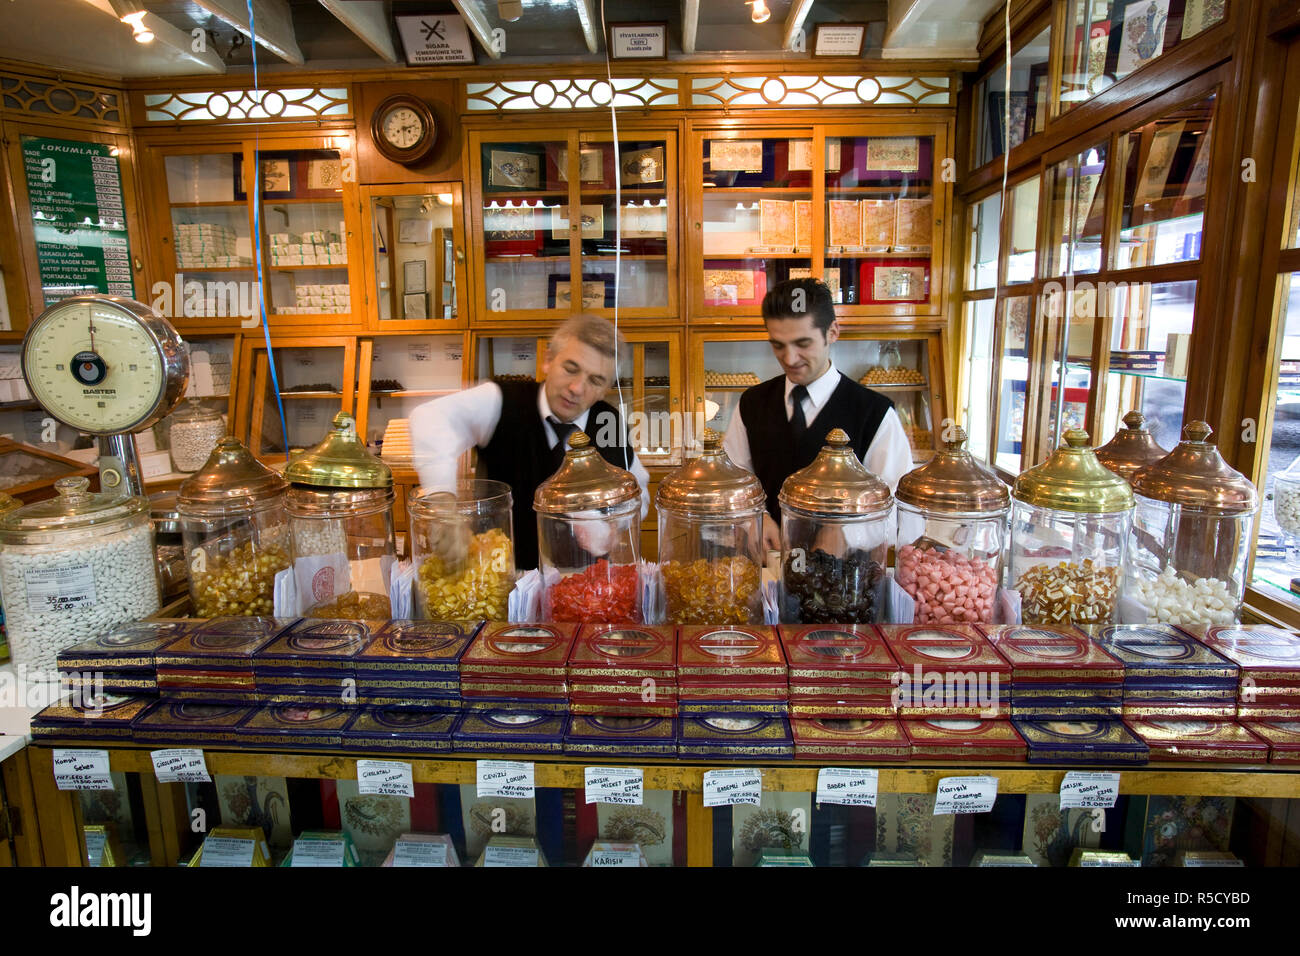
506,778
180,766
965,795
619,857
621,785
727,788
848,787
1084,790
82,770
386,778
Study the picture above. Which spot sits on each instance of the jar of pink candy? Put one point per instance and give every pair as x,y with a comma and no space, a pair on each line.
952,529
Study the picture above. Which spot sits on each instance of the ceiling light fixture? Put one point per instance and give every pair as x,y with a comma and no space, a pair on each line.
760,13
132,13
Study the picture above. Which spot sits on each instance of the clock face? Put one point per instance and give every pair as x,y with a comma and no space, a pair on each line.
94,367
402,127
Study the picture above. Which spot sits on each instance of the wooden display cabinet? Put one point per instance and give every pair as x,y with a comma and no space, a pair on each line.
425,366
300,361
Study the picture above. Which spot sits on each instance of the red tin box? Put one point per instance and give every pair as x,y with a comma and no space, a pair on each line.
532,652
605,653
720,657
854,739
1222,740
1282,737
964,739
1269,658
949,671
1052,655
837,708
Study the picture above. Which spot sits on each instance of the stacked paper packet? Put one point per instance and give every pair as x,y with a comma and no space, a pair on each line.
320,248
397,441
207,245
317,299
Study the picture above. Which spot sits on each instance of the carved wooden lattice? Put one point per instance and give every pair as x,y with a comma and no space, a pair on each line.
47,98
571,94
813,90
247,105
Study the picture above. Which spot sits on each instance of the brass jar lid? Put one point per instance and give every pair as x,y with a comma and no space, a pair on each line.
1131,448
954,482
711,484
584,481
231,477
1072,479
1195,477
340,461
836,483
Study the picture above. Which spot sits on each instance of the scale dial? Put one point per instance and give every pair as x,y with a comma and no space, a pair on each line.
104,365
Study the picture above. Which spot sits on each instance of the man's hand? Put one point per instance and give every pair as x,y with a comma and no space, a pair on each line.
771,535
448,533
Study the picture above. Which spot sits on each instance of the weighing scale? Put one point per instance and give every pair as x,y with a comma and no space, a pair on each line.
110,367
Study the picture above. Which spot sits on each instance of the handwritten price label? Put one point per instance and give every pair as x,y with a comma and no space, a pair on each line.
727,788
615,785
847,787
180,766
1089,790
965,795
506,778
82,770
386,778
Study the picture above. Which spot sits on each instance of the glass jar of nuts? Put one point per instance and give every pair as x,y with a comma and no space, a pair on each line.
235,533
1070,521
463,552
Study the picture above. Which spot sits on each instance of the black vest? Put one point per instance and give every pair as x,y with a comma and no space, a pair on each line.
776,455
519,453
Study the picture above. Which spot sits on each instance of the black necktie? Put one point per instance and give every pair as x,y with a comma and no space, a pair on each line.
798,424
562,432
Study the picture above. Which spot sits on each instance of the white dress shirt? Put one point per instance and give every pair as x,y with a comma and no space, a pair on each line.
888,457
444,429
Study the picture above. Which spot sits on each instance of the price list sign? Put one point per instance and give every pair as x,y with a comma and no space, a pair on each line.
75,191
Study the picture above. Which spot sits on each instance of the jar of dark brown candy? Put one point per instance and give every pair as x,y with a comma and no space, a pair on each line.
836,529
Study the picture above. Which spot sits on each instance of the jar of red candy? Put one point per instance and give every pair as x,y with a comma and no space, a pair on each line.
952,530
589,539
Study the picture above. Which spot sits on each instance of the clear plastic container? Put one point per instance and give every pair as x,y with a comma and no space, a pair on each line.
463,550
711,540
1070,523
952,533
73,567
340,507
236,533
836,531
1192,530
194,431
589,539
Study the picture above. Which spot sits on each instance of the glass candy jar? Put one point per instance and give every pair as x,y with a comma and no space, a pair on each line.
7,503
1070,521
711,539
1131,448
1192,533
340,506
236,533
589,539
73,567
952,529
1286,506
835,538
194,431
169,545
463,552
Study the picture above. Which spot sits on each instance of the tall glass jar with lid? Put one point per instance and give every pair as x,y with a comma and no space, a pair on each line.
340,505
73,567
836,531
1133,447
589,539
464,556
952,532
194,431
7,503
711,539
236,533
1192,531
1070,523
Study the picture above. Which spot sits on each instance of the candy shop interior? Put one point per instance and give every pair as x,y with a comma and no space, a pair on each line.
339,532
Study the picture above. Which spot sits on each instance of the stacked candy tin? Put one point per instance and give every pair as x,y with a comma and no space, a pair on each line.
1269,661
1057,672
623,671
731,671
839,671
1168,673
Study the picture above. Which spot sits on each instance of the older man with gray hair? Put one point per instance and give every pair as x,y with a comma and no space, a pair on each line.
521,429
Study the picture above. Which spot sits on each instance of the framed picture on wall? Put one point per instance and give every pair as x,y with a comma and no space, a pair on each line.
413,276
277,178
415,305
597,292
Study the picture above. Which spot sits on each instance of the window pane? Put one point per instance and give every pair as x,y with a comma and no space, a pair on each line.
1024,232
1276,557
1029,100
1166,175
979,373
1078,199
985,224
1012,381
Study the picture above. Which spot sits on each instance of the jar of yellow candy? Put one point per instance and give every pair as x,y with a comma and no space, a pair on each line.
463,553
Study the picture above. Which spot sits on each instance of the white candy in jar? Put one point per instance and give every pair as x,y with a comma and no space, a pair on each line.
1286,507
318,536
192,442
1170,599
108,581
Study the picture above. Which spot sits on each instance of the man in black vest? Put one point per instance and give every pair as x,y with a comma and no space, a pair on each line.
521,429
782,424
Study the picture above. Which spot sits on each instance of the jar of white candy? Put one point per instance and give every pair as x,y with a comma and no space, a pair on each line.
1191,536
73,567
194,432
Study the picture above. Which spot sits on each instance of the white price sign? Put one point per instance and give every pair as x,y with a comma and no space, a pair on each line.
509,856
226,851
965,795
386,778
726,788
95,842
619,785
847,786
419,853
506,778
620,857
317,853
1089,790
180,766
68,587
82,770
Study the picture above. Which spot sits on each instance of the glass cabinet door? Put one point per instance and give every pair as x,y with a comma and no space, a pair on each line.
1077,213
316,380
417,255
648,397
397,374
1013,382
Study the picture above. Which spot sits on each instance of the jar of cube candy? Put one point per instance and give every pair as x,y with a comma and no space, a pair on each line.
952,530
463,552
835,537
589,539
711,539
1070,522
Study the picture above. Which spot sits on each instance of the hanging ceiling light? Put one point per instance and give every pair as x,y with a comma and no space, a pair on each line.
132,12
760,12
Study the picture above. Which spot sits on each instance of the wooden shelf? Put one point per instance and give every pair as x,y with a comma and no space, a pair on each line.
413,392
640,190
302,268
897,388
323,201
868,190
318,395
875,255
804,192
194,269
755,255
206,205
489,195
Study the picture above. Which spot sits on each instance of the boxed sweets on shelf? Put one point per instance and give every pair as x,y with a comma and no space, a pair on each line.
626,671
734,737
400,730
1282,737
1269,663
512,731
731,670
423,849
948,671
1091,741
630,737
518,660
1057,672
964,739
843,670
1212,740
297,727
187,724
1168,673
336,849
73,722
120,661
233,846
213,661
311,663
859,738
417,661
